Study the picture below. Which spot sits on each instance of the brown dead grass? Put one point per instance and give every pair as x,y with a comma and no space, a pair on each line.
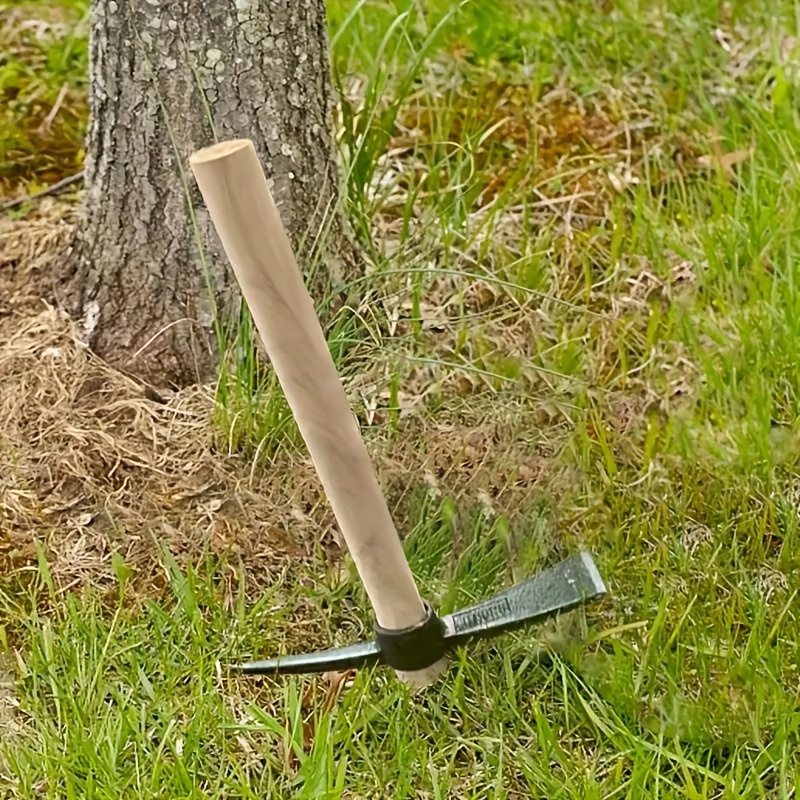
89,466
31,251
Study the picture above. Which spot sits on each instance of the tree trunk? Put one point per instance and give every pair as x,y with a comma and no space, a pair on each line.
147,277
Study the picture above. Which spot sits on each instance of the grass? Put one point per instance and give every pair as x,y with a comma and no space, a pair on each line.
585,220
43,89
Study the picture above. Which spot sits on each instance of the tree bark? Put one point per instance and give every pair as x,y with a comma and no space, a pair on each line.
147,277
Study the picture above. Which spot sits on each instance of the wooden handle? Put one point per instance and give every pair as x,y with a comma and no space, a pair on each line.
233,184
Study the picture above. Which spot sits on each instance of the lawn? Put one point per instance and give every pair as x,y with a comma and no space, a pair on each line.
580,331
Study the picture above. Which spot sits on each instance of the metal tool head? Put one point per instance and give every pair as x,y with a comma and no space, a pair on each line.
560,588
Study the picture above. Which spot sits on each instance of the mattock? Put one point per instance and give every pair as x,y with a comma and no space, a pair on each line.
409,636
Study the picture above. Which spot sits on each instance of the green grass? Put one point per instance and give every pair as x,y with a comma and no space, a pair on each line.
43,63
643,347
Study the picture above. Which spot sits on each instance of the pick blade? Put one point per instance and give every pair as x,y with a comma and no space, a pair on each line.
560,588
338,658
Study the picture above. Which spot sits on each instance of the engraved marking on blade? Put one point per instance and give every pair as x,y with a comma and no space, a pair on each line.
483,615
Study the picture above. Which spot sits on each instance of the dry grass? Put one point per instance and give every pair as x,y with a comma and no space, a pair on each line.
90,465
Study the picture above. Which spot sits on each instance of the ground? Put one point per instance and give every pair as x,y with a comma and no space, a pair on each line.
579,329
